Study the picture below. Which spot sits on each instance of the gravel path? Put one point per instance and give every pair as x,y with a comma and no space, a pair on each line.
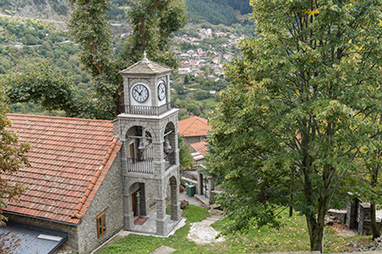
203,233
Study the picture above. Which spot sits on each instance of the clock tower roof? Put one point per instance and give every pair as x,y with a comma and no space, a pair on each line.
145,67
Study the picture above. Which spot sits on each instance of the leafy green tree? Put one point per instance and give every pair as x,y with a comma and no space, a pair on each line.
296,114
201,95
370,176
185,158
154,23
43,86
12,158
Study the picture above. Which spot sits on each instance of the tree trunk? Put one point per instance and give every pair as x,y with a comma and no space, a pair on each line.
316,224
374,183
316,231
374,227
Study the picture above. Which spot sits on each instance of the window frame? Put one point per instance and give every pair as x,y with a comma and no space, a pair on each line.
101,221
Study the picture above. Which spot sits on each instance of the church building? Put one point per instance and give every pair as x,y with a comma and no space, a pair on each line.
89,179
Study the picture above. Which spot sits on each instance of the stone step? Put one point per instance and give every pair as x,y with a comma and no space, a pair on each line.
163,250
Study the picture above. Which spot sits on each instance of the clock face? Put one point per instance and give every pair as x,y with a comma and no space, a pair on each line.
161,91
140,93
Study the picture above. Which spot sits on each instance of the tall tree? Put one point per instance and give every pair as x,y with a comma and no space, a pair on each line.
45,87
297,113
12,158
154,23
370,178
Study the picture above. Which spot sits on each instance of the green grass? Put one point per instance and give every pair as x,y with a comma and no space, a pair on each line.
195,213
293,236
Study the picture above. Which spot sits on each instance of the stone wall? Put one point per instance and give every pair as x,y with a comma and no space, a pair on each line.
70,245
351,212
196,139
214,193
363,217
109,200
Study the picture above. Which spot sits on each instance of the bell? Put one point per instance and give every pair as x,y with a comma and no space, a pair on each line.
141,145
167,147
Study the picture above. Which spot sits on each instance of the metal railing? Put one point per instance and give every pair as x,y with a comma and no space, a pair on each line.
143,162
146,110
145,166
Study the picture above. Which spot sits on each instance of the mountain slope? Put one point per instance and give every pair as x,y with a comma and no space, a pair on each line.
217,11
212,11
49,9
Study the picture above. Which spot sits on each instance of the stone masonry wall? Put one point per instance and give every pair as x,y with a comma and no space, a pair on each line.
109,200
72,242
196,139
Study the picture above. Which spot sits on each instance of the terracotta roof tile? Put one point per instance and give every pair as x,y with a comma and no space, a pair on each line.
200,147
66,157
193,126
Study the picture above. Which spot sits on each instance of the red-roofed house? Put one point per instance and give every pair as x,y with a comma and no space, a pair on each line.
74,165
93,178
194,129
200,149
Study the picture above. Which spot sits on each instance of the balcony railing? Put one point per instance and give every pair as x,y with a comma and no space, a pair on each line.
145,166
146,110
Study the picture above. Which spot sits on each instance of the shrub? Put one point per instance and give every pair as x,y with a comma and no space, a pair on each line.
184,204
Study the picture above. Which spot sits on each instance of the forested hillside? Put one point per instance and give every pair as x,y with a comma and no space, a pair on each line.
217,11
24,43
40,8
213,11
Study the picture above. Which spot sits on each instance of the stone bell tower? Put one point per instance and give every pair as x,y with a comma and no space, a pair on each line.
148,128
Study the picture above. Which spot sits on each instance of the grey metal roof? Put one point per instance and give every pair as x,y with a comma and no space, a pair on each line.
22,238
146,67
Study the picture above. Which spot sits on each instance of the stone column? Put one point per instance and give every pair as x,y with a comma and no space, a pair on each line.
128,212
158,159
124,163
209,186
199,189
364,219
161,221
351,213
175,203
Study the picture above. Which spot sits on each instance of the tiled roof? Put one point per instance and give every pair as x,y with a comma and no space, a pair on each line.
146,67
193,126
69,160
200,147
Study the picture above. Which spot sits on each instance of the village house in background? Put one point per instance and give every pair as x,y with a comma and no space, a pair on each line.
193,60
194,129
89,179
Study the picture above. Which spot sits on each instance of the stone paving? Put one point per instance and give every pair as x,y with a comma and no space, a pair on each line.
163,250
149,227
191,200
202,232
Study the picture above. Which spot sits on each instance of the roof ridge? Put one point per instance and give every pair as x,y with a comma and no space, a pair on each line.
76,214
194,119
201,119
59,117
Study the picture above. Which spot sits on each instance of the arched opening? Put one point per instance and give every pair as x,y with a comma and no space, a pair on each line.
139,148
170,145
137,205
